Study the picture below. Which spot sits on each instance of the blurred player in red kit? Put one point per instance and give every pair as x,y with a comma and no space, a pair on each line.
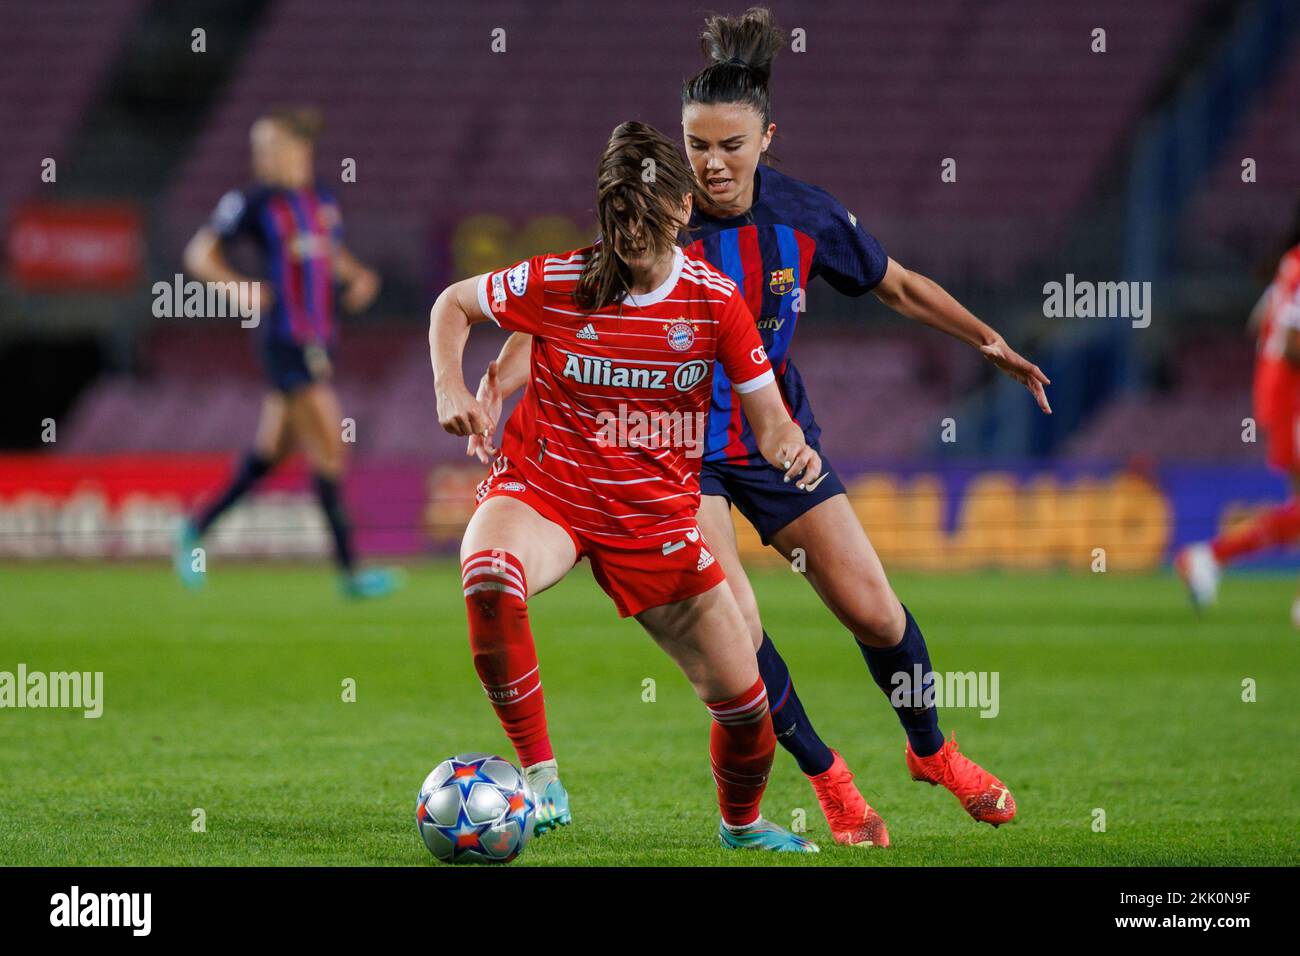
1276,317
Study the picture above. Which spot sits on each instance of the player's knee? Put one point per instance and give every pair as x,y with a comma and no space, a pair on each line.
271,448
876,618
331,461
276,454
755,626
494,586
745,600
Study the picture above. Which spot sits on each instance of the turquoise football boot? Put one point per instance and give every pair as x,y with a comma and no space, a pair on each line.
552,808
187,539
371,583
765,835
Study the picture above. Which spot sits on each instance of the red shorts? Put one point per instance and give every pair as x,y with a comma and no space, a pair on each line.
1284,443
637,578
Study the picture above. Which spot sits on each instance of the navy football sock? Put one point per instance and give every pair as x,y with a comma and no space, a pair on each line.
921,723
250,472
327,490
793,729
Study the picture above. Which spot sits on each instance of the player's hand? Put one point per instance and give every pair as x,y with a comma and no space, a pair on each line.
460,413
489,397
318,362
791,453
361,291
1021,369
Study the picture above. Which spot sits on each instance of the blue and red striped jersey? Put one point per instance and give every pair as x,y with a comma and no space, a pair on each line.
297,231
792,233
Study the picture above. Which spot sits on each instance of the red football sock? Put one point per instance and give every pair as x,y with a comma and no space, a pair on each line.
504,655
741,745
1274,527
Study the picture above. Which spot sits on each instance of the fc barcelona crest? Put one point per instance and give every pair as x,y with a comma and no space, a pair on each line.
781,281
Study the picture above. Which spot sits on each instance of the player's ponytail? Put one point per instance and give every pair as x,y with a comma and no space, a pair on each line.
640,183
742,49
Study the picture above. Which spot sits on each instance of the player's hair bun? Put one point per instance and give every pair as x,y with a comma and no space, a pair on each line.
741,49
751,39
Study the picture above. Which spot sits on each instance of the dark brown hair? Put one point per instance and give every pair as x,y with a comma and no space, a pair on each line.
304,122
640,183
742,49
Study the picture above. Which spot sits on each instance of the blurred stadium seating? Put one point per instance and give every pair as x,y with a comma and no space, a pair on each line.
65,46
1229,216
436,132
202,392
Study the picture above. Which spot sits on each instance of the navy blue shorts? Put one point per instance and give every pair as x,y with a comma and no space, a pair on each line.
287,366
762,495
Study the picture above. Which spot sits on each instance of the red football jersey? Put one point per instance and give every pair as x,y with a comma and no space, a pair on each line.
1277,381
611,428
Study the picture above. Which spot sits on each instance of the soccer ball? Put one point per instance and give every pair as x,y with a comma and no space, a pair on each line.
475,808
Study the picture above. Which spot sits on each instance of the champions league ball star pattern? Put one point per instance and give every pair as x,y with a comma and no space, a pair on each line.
475,808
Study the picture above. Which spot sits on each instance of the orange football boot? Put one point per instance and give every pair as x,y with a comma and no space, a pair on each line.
853,822
982,795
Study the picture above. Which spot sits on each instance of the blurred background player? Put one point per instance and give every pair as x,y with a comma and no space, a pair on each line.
772,235
1276,319
631,322
297,229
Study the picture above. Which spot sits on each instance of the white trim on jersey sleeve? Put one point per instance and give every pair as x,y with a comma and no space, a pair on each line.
229,208
754,383
1288,312
1289,316
482,296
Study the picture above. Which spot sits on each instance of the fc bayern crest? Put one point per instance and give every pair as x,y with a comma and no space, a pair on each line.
681,336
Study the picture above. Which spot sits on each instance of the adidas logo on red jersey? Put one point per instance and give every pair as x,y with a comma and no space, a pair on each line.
588,333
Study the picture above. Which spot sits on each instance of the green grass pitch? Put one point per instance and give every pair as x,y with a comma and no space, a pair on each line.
1113,696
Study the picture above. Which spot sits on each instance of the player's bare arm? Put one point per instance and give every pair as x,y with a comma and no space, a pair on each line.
505,374
450,319
205,260
780,439
512,363
361,283
913,295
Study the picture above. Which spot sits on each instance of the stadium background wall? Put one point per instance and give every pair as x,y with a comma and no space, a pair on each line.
953,517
